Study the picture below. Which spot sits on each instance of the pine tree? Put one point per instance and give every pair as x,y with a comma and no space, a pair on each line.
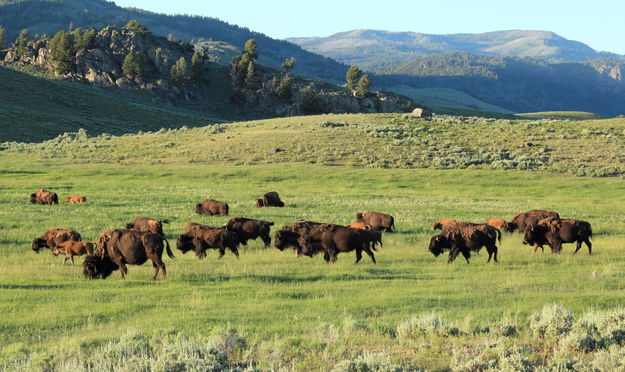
363,86
284,88
3,37
62,50
353,76
251,80
197,69
136,26
180,72
288,65
21,43
250,49
133,67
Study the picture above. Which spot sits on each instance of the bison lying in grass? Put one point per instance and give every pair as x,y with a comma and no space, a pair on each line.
121,247
212,207
44,197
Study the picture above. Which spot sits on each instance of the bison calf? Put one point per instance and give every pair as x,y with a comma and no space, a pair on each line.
72,248
76,199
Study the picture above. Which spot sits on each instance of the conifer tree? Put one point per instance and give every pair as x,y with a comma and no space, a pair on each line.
62,50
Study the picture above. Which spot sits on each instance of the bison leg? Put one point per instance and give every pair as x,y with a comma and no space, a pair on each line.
370,254
158,263
589,245
358,255
71,257
235,251
222,251
122,269
65,260
578,247
266,239
452,255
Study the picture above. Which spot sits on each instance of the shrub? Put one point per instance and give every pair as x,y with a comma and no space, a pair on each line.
426,325
371,363
551,322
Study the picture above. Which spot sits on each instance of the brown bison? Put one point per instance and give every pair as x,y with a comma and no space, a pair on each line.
44,197
72,248
522,221
250,229
123,247
499,223
438,225
464,238
334,239
199,238
270,199
555,231
76,199
212,207
289,236
54,237
360,225
377,220
147,224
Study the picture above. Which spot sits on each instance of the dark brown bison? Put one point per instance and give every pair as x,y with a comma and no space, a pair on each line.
212,207
377,220
124,247
522,221
464,238
333,239
270,199
289,236
250,229
147,224
53,237
554,232
199,238
438,225
44,197
499,223
73,248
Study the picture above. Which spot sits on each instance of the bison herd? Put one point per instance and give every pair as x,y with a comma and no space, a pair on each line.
143,238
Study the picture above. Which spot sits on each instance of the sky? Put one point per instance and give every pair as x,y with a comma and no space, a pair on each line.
598,23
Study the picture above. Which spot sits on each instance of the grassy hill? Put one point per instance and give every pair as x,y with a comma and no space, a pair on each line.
273,311
36,109
445,97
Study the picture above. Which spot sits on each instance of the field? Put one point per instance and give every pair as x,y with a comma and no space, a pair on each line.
271,310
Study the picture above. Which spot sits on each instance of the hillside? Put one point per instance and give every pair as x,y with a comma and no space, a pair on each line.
591,147
374,48
36,109
516,84
49,16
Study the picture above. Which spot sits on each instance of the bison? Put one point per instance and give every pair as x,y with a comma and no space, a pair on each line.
464,238
439,225
212,207
44,197
76,199
499,223
198,238
522,221
555,232
250,229
147,224
73,248
123,247
289,236
270,199
377,220
54,237
333,239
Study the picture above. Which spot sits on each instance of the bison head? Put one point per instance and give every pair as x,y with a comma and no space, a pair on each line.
38,244
437,226
225,210
199,209
510,227
33,198
285,238
94,267
186,243
438,243
359,217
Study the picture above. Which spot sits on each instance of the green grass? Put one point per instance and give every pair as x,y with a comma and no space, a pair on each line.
272,296
36,108
561,115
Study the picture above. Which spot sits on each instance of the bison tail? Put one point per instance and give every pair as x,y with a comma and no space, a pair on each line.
169,253
165,221
498,234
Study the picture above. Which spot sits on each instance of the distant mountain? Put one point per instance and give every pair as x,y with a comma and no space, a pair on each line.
513,83
49,16
372,48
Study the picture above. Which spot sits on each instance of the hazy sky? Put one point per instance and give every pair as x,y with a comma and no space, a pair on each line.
598,23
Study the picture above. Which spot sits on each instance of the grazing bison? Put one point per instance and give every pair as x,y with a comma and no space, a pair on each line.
522,221
147,224
72,248
499,223
377,220
123,247
333,239
199,238
44,197
464,238
54,237
212,207
250,229
555,231
270,199
76,199
439,225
